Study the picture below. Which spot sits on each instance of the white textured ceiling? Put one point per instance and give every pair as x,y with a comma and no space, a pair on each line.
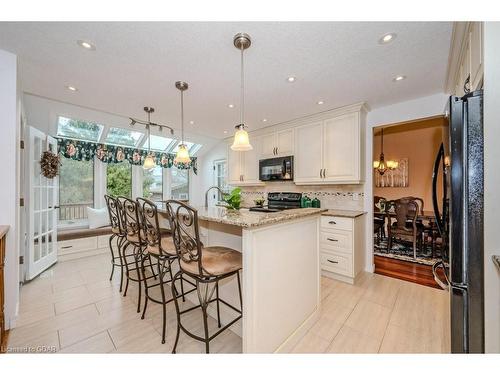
136,64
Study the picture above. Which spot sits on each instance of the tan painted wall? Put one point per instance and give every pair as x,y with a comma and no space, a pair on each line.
419,142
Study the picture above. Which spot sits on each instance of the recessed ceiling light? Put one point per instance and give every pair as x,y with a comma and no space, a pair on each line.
225,131
399,78
321,102
387,38
72,88
230,105
291,79
86,44
191,122
264,120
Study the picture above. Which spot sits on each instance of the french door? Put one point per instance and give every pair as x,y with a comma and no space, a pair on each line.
42,223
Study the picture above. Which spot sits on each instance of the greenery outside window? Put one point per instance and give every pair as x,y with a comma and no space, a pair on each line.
179,184
76,190
152,184
119,179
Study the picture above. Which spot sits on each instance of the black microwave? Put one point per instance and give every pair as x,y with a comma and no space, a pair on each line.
276,169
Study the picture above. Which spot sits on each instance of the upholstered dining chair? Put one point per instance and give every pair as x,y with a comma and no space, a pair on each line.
134,244
405,227
207,266
159,245
118,234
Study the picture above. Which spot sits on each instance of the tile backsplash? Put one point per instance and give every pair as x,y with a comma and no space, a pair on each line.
345,197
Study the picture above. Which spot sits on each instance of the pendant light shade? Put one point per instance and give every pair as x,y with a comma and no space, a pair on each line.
241,139
182,157
381,165
149,162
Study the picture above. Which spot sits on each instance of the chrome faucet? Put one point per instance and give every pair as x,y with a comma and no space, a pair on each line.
210,188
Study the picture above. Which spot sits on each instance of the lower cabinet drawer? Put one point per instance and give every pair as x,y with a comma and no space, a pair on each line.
78,244
336,240
337,262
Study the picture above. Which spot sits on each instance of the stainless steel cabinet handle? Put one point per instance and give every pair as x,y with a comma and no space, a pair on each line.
332,222
66,247
332,239
324,173
320,173
332,261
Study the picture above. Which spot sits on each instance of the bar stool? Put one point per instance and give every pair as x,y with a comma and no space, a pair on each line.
117,233
159,245
205,265
134,236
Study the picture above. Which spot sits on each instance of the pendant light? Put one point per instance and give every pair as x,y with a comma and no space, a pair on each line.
149,161
182,156
241,141
381,165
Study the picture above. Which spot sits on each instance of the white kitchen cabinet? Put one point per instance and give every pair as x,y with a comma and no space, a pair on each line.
278,143
341,151
342,247
308,153
469,63
330,151
243,166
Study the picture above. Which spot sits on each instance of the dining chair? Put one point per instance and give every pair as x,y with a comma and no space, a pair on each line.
116,233
159,245
405,227
207,266
378,222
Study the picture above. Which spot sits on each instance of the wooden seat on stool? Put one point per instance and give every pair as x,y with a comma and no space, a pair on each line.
207,266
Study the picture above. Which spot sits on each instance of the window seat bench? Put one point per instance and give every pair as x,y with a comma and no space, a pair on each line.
82,242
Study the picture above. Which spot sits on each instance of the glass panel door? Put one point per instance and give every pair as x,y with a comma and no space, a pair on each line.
42,222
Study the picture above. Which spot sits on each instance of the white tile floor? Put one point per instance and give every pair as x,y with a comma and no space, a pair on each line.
74,308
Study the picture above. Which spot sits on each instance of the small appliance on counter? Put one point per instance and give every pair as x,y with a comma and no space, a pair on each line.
280,201
276,169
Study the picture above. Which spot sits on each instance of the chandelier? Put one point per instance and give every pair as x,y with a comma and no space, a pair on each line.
381,165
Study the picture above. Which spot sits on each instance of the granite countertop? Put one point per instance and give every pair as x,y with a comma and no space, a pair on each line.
251,219
344,213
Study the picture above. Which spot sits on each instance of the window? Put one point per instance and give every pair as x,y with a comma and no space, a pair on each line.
158,143
220,175
76,189
119,179
152,184
180,183
77,129
123,137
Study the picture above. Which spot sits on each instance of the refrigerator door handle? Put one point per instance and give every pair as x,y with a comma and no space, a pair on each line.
435,172
443,285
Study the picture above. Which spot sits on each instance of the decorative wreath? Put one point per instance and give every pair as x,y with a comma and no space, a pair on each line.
50,164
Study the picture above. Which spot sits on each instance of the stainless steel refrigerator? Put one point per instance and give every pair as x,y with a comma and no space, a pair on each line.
458,206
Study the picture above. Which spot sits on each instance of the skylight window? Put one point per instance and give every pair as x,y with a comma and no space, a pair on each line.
123,137
77,129
158,143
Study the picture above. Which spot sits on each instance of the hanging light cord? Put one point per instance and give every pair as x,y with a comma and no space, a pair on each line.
242,97
182,116
382,142
149,134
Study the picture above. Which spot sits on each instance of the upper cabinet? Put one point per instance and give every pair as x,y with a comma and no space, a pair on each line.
466,57
243,167
277,143
327,149
330,151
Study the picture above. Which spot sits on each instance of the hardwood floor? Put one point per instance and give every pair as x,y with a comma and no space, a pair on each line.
408,271
74,308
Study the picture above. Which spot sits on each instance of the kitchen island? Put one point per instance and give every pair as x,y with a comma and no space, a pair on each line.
281,272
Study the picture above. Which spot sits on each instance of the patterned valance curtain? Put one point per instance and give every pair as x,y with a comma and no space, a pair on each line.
83,150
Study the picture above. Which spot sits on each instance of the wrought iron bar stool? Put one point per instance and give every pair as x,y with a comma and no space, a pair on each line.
118,234
159,245
207,266
132,226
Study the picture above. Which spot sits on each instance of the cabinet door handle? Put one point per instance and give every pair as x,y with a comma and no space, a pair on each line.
276,150
66,247
332,222
332,239
320,176
324,173
333,261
